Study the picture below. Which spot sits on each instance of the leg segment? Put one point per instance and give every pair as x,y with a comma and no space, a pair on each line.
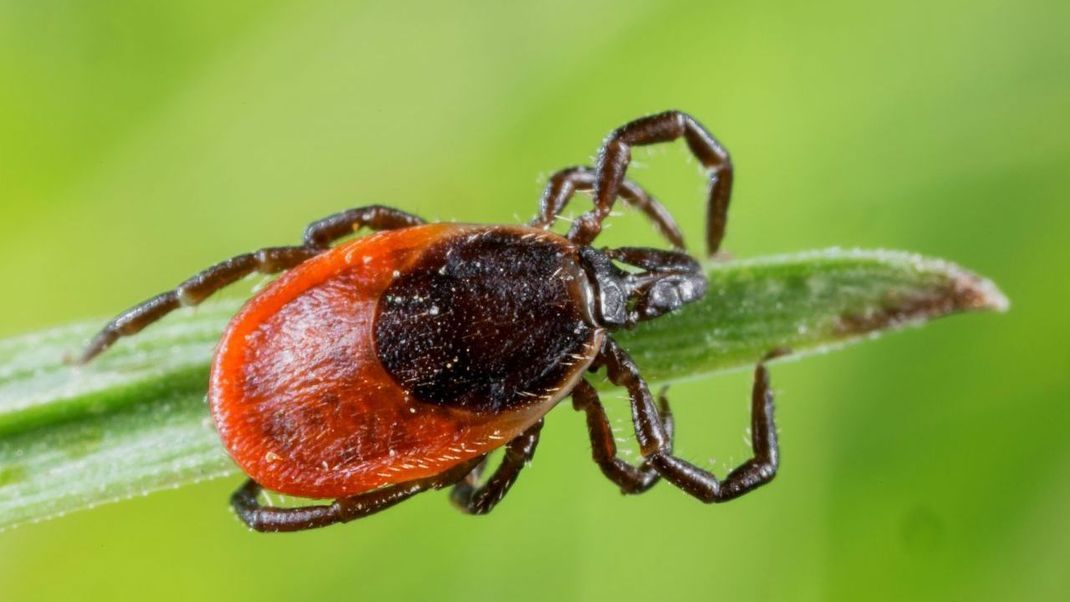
630,478
274,520
266,261
567,182
321,233
471,498
653,440
193,291
615,155
655,260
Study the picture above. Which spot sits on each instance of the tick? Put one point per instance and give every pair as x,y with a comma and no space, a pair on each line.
388,365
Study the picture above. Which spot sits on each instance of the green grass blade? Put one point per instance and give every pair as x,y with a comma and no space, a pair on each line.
135,420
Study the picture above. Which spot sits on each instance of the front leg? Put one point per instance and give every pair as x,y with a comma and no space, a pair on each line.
616,154
702,484
561,187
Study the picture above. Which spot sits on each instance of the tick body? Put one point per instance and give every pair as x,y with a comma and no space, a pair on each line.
395,363
396,356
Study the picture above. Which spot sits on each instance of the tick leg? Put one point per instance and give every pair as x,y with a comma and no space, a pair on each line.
266,261
654,441
193,291
615,155
656,260
274,520
321,233
630,478
471,498
565,183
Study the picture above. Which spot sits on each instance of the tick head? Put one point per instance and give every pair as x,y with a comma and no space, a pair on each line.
621,299
667,292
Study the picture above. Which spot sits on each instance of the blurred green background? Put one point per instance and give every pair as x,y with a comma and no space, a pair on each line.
141,141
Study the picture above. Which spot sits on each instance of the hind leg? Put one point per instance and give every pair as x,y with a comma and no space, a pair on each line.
268,519
270,260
